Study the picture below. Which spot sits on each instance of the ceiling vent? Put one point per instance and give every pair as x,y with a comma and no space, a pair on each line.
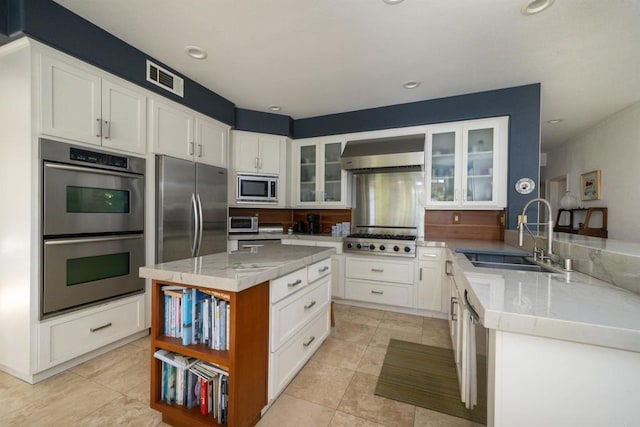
165,79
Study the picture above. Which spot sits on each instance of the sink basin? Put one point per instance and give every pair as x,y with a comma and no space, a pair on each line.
508,262
509,266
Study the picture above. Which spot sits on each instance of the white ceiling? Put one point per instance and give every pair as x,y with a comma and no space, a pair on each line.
317,57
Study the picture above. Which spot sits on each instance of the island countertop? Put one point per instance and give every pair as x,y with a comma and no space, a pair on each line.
237,270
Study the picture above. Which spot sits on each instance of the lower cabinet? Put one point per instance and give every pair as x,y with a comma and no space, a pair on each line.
65,337
300,306
429,279
379,280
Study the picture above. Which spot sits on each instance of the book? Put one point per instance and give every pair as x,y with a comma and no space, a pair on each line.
175,359
186,316
167,315
204,396
171,391
196,313
223,325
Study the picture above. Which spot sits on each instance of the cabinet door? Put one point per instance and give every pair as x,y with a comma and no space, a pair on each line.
443,167
70,102
269,156
211,142
245,151
171,130
333,177
479,145
124,114
429,285
308,173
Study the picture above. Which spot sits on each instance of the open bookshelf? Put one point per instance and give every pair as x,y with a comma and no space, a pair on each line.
246,361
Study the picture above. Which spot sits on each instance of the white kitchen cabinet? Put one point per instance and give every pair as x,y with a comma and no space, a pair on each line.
319,181
299,313
429,278
79,104
467,164
380,280
257,152
183,133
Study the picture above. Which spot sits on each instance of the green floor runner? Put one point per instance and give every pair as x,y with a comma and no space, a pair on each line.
425,376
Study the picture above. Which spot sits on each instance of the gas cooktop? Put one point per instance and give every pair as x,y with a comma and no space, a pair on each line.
381,244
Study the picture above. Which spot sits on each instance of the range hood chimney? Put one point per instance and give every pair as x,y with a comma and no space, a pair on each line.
392,152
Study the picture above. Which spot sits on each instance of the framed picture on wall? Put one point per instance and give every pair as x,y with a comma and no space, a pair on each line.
590,186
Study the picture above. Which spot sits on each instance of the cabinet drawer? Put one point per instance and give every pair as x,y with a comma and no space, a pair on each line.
426,254
381,293
380,270
64,338
318,270
286,285
287,361
290,314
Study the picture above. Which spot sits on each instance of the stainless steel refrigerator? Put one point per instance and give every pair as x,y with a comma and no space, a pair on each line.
191,208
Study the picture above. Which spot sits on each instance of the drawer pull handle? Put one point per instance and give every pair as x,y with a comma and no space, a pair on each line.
377,270
294,284
308,306
430,255
308,343
377,292
323,269
106,325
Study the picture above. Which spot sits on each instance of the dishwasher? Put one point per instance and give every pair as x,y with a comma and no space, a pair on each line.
476,360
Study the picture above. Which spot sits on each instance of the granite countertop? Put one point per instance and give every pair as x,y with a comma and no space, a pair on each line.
237,270
570,306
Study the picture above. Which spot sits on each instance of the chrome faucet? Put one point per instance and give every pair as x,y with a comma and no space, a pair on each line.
522,223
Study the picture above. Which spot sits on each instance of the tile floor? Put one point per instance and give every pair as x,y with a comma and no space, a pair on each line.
335,388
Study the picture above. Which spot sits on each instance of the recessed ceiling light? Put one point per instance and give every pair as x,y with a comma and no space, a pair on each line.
531,7
411,84
275,108
196,52
392,1
554,121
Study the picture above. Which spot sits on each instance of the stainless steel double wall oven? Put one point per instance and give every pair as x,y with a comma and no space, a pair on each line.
92,226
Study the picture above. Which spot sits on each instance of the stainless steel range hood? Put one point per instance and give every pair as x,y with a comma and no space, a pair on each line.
392,152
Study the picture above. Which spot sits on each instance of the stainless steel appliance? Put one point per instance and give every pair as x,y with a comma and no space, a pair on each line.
388,182
476,360
191,209
92,226
243,224
255,188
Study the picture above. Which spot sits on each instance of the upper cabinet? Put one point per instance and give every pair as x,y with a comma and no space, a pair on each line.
179,132
257,152
320,181
79,105
467,164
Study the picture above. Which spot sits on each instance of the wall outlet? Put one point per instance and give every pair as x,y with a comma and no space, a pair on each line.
456,217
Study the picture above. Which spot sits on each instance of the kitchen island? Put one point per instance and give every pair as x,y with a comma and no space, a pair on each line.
278,301
563,348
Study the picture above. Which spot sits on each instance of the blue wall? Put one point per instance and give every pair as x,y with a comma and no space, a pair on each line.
521,104
56,26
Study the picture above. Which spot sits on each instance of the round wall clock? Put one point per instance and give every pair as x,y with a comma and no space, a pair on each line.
525,185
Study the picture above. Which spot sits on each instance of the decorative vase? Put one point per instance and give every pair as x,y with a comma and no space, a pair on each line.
568,201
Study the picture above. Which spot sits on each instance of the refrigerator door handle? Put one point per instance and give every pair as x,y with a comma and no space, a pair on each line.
194,205
200,224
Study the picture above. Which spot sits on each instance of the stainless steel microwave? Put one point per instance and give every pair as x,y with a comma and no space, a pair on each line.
243,224
254,188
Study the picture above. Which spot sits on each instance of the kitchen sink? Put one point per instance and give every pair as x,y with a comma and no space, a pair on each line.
508,262
510,266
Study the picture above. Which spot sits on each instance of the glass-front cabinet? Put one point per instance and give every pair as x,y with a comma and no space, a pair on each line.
467,164
320,179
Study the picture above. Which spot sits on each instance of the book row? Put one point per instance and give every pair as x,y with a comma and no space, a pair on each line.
197,316
194,383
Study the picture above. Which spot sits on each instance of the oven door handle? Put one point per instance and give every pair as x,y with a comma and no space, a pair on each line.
200,223
194,206
92,239
91,170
